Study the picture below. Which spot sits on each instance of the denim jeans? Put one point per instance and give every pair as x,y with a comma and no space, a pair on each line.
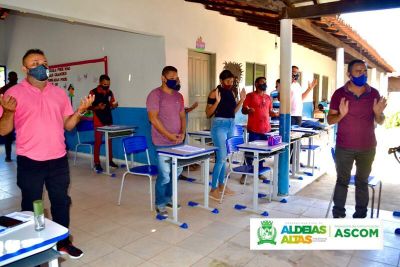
221,130
164,180
344,159
253,137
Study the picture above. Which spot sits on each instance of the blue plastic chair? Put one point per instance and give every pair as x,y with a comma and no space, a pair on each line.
134,145
238,130
232,148
372,183
85,126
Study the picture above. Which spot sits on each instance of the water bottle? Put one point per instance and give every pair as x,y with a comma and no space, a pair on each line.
38,215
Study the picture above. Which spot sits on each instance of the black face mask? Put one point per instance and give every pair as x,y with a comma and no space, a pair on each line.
295,76
262,87
105,87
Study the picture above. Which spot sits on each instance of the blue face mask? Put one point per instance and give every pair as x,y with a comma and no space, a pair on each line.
360,80
40,73
262,87
173,84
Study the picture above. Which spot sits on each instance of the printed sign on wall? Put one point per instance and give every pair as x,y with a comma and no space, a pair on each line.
78,78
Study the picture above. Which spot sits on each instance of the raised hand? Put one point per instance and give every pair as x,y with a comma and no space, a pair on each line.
312,84
217,96
242,94
8,103
195,104
343,107
379,105
86,102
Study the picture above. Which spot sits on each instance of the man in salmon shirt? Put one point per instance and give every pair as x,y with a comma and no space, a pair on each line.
165,108
258,106
40,111
102,106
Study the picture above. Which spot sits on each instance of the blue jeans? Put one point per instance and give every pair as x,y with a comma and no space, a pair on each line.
164,180
221,130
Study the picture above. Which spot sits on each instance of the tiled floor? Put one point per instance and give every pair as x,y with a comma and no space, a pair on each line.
128,235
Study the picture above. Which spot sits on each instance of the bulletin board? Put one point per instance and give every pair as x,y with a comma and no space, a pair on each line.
78,78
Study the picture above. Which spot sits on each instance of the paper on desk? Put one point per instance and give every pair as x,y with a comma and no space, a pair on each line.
203,132
259,143
26,218
187,148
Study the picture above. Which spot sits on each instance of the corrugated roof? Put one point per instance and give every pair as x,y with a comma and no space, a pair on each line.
322,34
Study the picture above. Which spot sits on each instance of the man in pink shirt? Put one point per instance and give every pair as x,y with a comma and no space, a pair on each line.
166,112
40,112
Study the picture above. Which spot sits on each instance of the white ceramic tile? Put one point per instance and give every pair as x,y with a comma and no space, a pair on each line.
65,261
388,255
200,244
391,240
261,260
232,254
121,236
220,231
95,249
176,257
210,262
117,258
99,226
325,258
147,247
242,239
359,262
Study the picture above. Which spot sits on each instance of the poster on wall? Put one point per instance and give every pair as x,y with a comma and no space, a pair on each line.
78,78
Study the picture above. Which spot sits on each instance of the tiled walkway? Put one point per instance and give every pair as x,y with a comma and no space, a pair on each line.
128,235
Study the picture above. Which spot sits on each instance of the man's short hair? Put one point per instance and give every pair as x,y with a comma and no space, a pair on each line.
168,69
12,74
354,62
104,77
295,67
31,52
259,79
278,81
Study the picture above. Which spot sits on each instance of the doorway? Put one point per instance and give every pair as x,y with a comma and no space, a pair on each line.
2,75
201,68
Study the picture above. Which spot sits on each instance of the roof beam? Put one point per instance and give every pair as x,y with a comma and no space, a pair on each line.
307,26
338,7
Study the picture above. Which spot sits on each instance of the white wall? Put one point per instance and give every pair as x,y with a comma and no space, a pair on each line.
181,23
2,42
140,55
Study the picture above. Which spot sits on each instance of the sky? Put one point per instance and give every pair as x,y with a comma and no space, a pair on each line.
381,30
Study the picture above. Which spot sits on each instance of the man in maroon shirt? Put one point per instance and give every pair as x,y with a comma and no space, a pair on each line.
355,107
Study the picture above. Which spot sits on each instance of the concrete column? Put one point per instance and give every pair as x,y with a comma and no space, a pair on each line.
284,124
383,84
339,67
373,78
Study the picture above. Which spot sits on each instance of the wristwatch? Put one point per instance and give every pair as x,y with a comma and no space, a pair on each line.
81,114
